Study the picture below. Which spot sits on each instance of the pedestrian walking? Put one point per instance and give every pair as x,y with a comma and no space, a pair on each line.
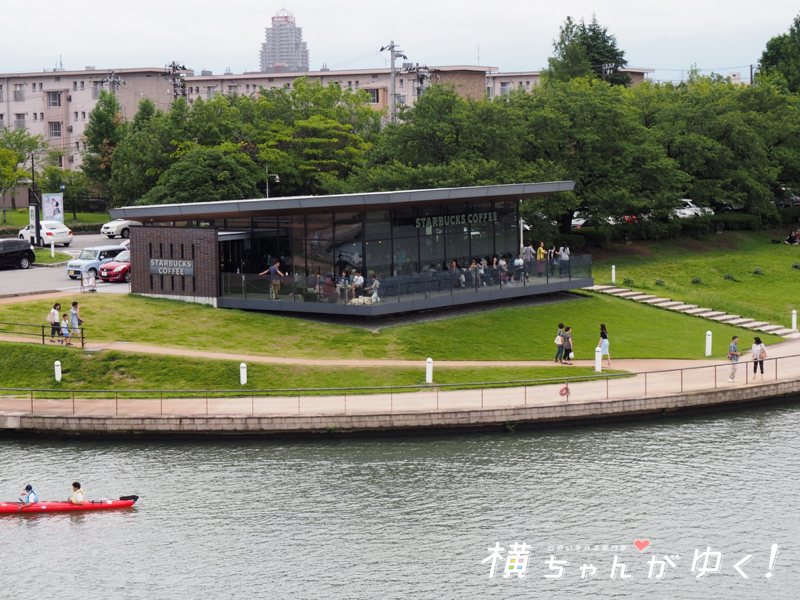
53,319
559,341
733,356
568,347
75,320
275,279
759,354
603,344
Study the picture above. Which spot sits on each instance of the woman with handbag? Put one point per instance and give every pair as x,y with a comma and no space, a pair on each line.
759,354
559,342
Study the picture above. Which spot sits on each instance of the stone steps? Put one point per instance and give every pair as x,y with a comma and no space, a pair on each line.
697,311
684,307
756,324
740,322
726,318
657,301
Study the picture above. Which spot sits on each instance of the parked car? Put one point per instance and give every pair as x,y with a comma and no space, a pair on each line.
16,253
90,260
689,209
49,231
118,269
723,206
787,198
119,227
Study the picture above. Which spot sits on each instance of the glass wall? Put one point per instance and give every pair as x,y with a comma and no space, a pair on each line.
417,244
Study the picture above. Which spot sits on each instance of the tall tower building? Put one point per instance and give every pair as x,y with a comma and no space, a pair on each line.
284,51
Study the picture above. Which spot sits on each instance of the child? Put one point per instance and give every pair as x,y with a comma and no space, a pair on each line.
65,330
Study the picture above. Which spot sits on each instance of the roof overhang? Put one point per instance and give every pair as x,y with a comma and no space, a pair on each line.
259,207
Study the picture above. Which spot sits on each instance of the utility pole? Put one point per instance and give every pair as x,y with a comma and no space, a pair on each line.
114,81
173,72
395,53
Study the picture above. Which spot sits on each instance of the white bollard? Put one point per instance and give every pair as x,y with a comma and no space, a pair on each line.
53,248
58,370
708,343
794,319
598,360
429,371
242,373
613,274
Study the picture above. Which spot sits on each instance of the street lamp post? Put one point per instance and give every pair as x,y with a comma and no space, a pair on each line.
275,175
33,206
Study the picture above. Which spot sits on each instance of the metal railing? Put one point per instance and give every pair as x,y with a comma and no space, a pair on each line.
329,288
39,331
398,398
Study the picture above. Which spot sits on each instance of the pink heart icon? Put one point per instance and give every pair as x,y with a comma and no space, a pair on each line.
641,544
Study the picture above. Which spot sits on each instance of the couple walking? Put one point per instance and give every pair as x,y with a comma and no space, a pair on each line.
565,349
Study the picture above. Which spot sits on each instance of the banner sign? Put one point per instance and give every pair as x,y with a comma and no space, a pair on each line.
53,207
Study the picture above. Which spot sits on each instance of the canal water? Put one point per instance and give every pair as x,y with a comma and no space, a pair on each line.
414,517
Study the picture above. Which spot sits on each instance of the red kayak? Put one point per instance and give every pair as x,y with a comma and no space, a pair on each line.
56,506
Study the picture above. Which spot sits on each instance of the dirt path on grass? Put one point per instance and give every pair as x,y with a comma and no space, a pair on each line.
787,348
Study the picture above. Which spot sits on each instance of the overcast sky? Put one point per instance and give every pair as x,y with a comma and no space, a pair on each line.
347,34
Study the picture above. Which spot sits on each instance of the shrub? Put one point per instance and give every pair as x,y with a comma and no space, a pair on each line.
628,281
646,230
660,282
600,238
729,277
697,227
697,280
758,272
789,216
738,222
575,241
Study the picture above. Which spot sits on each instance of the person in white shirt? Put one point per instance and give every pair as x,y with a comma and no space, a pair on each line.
759,354
77,494
563,260
53,319
358,284
373,289
29,497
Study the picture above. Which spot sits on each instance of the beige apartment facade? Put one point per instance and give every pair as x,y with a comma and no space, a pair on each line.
470,82
500,84
56,104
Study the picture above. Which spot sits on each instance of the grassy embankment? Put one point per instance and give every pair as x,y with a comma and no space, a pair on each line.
27,366
636,330
770,296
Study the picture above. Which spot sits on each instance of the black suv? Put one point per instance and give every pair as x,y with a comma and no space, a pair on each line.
16,253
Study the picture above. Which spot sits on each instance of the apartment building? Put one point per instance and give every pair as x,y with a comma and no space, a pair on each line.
500,84
284,49
410,82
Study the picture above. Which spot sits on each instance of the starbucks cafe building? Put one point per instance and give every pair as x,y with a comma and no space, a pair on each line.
420,244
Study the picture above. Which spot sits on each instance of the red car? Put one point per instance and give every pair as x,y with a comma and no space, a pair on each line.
118,269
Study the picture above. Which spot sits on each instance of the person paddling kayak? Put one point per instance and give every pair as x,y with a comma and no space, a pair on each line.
30,496
77,494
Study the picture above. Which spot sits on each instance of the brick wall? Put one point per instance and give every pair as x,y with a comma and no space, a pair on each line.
179,243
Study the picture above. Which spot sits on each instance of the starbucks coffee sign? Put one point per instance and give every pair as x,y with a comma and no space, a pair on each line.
463,219
163,266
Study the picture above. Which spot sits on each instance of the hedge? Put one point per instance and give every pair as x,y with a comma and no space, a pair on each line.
789,216
697,227
738,222
599,238
646,230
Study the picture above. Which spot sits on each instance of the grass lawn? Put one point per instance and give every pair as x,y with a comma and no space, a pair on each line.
43,257
770,296
635,330
26,366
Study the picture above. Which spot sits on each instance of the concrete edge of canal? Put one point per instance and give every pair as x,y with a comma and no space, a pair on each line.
548,415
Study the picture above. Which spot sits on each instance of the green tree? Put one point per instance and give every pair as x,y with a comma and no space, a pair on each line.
586,50
782,56
104,131
21,149
206,175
